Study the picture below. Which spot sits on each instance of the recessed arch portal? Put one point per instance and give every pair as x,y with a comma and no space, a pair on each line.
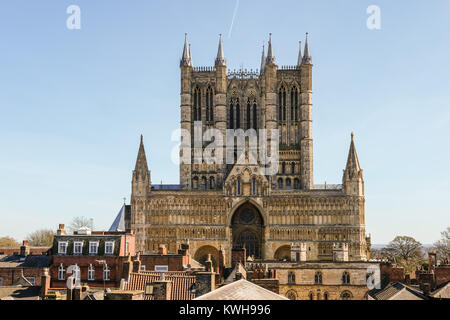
247,230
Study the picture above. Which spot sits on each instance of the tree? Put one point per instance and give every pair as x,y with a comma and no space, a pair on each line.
41,238
8,242
405,251
443,246
80,222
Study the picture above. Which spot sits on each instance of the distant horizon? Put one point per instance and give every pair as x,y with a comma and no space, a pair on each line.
75,102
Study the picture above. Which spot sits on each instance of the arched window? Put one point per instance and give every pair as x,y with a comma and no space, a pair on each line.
231,116
195,183
283,167
203,183
254,186
346,295
346,278
91,273
282,104
292,167
197,105
61,272
311,296
291,277
209,105
255,117
211,183
238,186
248,114
325,296
288,184
238,115
280,183
106,272
294,104
296,183
318,278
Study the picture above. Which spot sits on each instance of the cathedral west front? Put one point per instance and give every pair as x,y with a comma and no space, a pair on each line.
220,206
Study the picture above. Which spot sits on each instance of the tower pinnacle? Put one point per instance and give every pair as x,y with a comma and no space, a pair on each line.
263,60
220,59
186,57
306,56
300,57
270,57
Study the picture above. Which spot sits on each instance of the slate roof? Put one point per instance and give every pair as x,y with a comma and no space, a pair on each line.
181,283
241,290
119,221
30,261
398,291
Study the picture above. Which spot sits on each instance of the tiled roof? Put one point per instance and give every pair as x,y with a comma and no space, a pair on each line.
181,283
30,261
398,291
241,290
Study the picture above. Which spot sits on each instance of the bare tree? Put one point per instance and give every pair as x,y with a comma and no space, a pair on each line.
80,222
8,242
405,251
443,246
41,238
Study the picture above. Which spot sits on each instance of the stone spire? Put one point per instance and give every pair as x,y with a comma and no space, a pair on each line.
270,57
263,60
185,58
191,63
300,57
306,56
220,60
141,184
352,180
141,161
352,159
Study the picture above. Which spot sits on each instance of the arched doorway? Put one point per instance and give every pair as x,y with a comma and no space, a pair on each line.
201,255
247,230
283,253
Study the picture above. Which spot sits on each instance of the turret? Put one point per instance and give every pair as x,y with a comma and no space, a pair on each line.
141,184
270,82
185,110
220,110
352,180
306,141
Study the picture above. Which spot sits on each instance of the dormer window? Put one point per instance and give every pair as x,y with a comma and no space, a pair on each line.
109,247
62,247
78,248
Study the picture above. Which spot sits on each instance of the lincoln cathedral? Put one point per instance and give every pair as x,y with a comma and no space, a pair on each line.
217,207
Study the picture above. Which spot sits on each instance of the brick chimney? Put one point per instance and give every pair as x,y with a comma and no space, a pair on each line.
45,283
162,289
61,230
24,249
137,263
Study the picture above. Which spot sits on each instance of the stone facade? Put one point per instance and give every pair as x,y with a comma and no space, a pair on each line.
217,206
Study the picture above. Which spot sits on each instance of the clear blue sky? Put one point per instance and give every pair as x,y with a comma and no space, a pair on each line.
74,102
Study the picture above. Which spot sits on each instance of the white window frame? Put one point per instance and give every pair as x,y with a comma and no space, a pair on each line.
75,245
112,247
32,280
61,272
161,268
90,247
106,273
91,273
142,267
65,247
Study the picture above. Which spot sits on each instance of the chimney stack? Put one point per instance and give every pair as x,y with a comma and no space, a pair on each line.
24,249
45,283
61,230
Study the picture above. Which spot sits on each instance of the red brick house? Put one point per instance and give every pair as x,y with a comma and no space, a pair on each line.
98,255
